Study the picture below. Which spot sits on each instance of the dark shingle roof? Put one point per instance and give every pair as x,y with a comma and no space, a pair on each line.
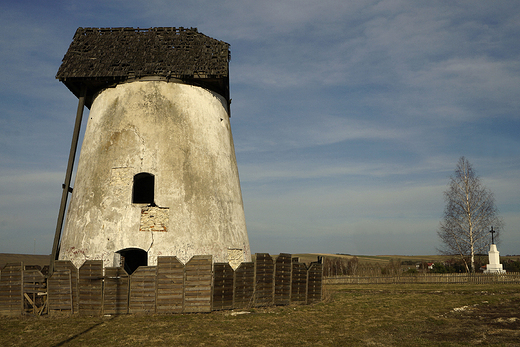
100,57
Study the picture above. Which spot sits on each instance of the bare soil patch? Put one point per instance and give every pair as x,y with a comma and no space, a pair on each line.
482,324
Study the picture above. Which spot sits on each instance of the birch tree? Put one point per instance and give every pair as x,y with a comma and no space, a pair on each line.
469,214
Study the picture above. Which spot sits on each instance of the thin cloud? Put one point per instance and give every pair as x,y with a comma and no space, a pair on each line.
322,130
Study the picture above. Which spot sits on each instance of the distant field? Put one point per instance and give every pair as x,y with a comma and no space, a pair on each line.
28,259
383,259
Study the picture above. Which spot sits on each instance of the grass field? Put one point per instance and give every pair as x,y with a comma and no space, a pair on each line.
354,315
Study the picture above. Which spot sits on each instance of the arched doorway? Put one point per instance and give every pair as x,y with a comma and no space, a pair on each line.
132,258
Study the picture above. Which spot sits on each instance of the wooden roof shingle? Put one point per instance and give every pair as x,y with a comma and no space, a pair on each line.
100,57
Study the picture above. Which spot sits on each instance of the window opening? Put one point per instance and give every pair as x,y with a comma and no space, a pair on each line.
143,189
132,258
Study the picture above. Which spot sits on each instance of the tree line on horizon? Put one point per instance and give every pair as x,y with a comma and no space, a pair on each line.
335,266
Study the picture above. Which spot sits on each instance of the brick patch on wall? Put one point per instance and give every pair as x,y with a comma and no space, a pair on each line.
154,219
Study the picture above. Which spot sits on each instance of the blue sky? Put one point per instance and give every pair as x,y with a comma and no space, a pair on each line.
348,117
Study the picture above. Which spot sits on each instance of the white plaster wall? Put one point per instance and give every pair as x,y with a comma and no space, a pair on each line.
179,133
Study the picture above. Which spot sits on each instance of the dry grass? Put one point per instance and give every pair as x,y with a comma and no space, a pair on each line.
354,315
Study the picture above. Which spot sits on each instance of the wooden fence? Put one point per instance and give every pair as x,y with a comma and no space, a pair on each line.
169,287
434,278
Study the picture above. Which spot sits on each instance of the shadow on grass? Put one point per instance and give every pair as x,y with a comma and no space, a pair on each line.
62,343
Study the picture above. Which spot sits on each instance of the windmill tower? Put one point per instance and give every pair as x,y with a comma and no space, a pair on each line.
157,172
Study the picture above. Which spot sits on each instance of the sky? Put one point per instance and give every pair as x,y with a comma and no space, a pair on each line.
348,117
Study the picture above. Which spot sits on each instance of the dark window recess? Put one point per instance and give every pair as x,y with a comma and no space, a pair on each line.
143,189
132,258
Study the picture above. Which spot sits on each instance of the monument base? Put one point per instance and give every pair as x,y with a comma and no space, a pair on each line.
494,268
494,265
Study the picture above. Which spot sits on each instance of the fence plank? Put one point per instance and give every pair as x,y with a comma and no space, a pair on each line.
299,283
282,279
34,291
314,283
197,284
115,296
223,284
264,280
64,265
11,289
244,286
170,285
433,278
90,287
142,290
59,292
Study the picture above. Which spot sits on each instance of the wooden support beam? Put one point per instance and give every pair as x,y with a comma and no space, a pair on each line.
68,176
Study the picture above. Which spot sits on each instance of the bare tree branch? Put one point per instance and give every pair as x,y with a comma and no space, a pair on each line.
469,214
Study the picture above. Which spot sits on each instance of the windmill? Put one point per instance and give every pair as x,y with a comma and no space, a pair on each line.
157,172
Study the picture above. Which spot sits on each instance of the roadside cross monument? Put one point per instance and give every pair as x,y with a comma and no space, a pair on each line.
494,265
492,235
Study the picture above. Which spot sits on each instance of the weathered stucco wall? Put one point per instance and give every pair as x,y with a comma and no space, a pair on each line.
180,134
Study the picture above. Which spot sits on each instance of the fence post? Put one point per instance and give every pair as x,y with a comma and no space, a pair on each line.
11,289
264,280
